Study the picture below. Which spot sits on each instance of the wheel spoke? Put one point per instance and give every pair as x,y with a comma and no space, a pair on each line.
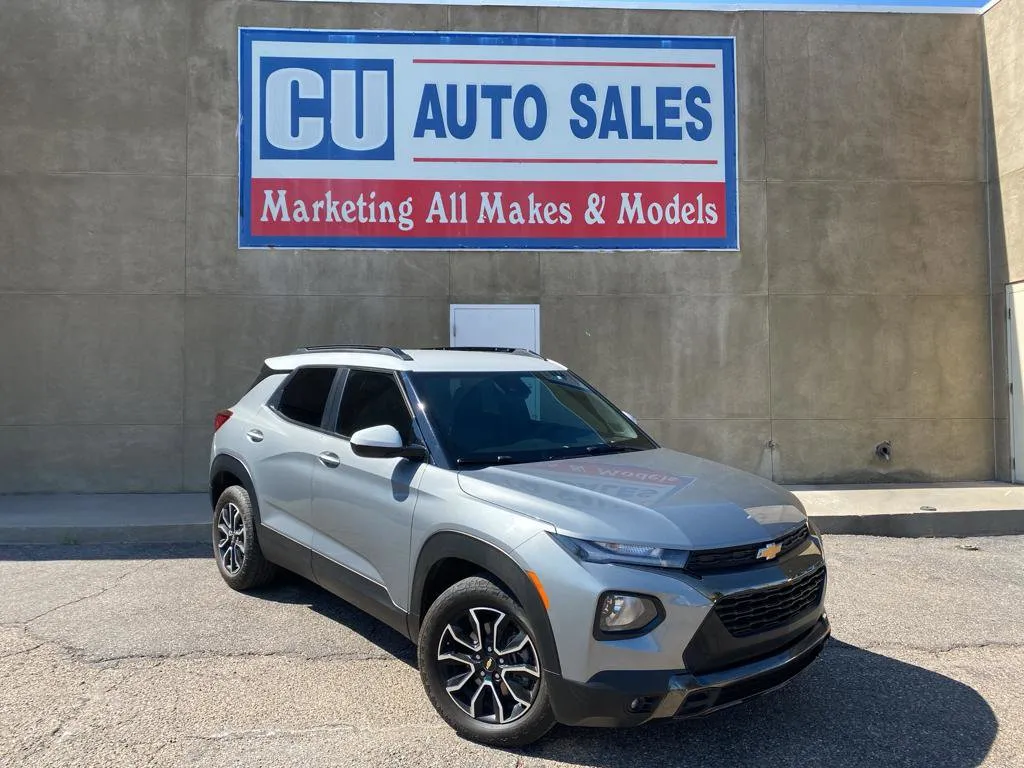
472,701
517,692
479,629
499,709
516,644
455,683
460,658
496,630
449,631
224,530
236,555
524,669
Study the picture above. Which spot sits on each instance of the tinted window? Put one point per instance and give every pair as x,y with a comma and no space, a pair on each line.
371,399
530,416
305,395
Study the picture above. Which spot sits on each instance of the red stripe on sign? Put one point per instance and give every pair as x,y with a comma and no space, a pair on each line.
519,62
417,208
562,160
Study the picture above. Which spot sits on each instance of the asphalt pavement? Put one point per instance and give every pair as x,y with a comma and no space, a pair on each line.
140,655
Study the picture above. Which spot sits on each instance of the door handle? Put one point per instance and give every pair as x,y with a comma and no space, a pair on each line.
254,435
329,459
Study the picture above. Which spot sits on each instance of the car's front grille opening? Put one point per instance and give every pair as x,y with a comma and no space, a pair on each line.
730,558
765,609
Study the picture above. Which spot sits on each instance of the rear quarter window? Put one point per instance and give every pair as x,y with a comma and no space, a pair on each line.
303,397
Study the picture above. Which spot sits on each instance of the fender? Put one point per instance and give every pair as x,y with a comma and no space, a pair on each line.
227,463
489,558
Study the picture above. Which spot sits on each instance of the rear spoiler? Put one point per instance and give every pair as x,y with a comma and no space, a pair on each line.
265,373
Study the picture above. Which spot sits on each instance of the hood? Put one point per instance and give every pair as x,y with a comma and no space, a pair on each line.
648,497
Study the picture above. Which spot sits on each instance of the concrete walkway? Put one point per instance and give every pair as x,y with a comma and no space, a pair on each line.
946,509
953,509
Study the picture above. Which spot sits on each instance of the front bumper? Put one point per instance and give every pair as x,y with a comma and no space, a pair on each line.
608,699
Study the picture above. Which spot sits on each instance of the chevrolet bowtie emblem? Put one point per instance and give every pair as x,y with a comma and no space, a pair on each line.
769,551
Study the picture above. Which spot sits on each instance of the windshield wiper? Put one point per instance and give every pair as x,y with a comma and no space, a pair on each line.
597,450
485,462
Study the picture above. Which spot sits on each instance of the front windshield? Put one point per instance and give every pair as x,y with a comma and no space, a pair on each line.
504,418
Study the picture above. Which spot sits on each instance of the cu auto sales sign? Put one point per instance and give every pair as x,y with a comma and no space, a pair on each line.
487,141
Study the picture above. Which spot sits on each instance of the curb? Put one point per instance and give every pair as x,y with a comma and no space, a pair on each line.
986,522
170,533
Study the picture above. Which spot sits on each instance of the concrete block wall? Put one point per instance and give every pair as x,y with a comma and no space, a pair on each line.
1004,59
857,310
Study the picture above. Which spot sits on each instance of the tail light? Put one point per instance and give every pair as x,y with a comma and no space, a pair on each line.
219,418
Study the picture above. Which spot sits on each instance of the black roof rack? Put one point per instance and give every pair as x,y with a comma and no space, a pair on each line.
506,350
393,351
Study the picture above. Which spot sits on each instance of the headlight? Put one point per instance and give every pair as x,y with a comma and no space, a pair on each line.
627,554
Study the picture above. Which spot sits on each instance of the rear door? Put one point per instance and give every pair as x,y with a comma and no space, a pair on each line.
285,445
363,507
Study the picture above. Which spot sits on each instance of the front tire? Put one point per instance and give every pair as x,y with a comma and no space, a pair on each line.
480,666
239,558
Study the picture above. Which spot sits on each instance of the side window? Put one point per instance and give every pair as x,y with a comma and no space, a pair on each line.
305,395
371,399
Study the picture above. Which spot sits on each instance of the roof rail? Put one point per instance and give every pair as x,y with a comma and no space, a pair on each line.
506,350
393,351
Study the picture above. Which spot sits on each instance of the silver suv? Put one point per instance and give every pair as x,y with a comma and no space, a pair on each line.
551,562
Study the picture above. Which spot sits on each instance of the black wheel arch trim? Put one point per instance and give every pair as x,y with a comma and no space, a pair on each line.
450,544
226,463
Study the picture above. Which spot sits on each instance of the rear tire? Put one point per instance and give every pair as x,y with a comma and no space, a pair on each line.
479,661
239,558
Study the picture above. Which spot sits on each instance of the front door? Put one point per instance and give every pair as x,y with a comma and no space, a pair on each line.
496,325
363,507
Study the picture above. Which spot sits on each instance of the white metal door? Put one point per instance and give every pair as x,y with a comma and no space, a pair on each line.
496,325
1015,346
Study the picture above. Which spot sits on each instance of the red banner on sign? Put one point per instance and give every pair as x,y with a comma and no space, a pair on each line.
488,209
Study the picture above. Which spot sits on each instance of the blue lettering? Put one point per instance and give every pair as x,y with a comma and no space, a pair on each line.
430,117
639,130
667,109
496,94
613,117
699,128
528,93
455,128
585,124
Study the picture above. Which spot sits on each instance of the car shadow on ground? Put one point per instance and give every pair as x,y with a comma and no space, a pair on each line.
852,707
293,589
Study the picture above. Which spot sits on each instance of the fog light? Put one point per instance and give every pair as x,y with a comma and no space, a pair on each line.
625,613
642,704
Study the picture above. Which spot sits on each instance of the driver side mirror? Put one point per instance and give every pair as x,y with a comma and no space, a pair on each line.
384,442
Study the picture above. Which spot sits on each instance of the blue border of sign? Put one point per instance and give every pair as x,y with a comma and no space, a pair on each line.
248,35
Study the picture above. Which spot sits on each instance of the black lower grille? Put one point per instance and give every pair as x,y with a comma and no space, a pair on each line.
703,561
700,701
765,609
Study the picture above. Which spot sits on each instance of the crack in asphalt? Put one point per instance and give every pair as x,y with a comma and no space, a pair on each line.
159,657
22,651
102,591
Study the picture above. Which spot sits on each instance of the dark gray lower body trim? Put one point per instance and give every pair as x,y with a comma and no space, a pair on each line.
363,593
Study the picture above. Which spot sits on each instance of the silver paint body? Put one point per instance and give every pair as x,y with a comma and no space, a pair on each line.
372,515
